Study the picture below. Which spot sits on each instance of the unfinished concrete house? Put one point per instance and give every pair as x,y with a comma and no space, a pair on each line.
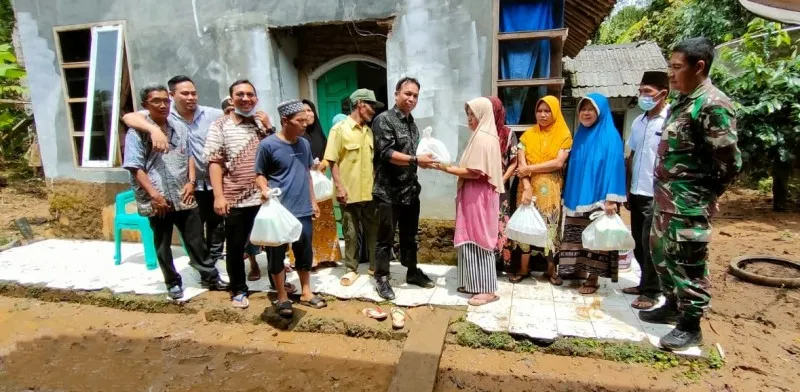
87,58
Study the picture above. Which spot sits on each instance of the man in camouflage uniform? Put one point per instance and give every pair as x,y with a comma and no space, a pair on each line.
697,160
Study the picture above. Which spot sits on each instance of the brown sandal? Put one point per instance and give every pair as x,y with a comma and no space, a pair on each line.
554,279
644,302
632,291
519,278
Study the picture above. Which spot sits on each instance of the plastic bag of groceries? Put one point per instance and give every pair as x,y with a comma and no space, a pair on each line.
274,224
323,186
607,232
527,226
429,145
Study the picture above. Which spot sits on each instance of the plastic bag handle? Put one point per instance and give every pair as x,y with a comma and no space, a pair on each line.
274,192
427,131
596,215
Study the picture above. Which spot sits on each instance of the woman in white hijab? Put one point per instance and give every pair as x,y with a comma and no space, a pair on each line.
480,183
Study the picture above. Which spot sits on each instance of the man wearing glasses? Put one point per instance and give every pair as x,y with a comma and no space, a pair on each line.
163,182
230,150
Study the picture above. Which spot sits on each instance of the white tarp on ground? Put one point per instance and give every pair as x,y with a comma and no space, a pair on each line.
534,309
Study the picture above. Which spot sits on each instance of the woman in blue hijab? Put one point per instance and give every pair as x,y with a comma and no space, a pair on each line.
595,181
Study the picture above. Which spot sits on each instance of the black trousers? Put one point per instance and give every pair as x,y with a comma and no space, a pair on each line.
641,221
302,250
238,225
188,223
392,217
214,228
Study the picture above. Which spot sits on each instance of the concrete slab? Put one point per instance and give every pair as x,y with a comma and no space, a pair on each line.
419,362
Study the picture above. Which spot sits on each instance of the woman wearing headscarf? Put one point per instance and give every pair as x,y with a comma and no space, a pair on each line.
326,239
508,154
480,183
543,151
595,183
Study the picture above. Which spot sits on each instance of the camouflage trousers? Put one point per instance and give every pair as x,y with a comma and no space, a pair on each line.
679,247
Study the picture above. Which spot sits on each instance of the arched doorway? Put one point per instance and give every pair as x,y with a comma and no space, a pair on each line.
332,83
331,86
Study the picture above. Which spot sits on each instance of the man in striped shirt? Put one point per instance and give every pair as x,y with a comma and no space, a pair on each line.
230,149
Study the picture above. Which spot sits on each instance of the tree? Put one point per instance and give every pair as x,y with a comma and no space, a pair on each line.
762,76
13,143
668,22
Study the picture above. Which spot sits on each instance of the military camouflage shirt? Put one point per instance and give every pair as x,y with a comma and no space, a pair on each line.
697,157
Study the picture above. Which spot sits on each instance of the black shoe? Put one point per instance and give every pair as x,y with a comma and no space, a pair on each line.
680,339
667,314
418,278
216,285
384,288
175,292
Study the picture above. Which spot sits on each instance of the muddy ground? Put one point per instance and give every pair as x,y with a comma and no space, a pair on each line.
47,346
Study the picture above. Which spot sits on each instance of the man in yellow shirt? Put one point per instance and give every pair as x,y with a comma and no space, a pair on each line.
349,151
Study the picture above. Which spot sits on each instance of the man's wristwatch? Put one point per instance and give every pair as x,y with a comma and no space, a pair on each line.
193,182
413,160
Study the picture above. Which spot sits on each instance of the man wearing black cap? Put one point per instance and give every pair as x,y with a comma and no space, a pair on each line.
284,162
643,142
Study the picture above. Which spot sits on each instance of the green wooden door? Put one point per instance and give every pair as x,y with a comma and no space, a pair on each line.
332,87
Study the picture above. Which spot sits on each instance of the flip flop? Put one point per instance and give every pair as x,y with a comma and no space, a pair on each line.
643,299
398,318
587,286
285,309
482,301
254,275
375,313
463,291
240,301
555,280
349,278
519,278
632,291
290,288
315,302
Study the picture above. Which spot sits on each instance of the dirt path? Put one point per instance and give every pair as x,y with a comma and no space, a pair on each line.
68,347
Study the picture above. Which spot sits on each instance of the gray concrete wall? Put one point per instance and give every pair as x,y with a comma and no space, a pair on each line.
443,43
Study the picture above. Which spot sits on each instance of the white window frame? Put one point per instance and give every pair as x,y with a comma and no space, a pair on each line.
115,109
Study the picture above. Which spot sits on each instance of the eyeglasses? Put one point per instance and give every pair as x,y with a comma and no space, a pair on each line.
159,102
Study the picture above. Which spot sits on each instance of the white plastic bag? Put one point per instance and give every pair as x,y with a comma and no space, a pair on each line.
274,224
323,187
607,233
527,226
435,147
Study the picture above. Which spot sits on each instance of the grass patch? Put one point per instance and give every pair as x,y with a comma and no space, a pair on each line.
105,299
469,335
341,327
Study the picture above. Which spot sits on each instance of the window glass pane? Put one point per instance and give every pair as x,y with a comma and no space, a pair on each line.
521,101
104,81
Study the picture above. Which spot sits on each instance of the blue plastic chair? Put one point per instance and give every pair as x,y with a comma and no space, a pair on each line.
124,220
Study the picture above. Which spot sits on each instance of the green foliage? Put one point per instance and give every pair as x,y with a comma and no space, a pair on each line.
13,143
668,22
762,75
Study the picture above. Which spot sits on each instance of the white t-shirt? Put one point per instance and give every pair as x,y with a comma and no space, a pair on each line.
643,141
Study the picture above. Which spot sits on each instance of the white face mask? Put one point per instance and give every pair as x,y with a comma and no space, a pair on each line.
251,113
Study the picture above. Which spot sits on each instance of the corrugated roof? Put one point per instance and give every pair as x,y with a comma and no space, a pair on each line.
583,17
612,70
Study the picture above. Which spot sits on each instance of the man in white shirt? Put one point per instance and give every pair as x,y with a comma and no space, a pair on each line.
643,143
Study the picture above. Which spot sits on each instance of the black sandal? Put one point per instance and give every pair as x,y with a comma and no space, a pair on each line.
315,303
285,309
519,278
463,291
554,279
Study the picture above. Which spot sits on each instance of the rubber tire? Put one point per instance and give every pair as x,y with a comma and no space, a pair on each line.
736,270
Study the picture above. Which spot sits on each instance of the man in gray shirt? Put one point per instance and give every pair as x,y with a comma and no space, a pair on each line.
164,183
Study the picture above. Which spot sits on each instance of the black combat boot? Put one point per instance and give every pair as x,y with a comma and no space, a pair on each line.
667,314
685,335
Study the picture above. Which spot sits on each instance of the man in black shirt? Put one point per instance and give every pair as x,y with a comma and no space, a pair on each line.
397,188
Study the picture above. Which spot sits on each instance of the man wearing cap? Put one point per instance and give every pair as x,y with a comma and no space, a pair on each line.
350,152
230,150
643,143
397,186
284,162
